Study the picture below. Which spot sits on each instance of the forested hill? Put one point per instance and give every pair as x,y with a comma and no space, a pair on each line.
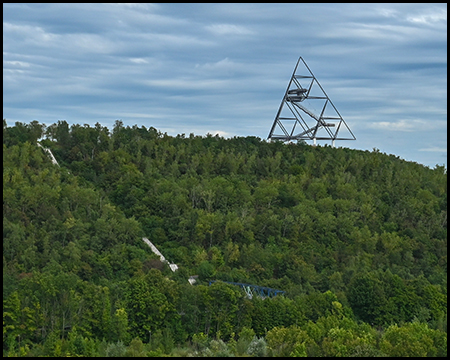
356,239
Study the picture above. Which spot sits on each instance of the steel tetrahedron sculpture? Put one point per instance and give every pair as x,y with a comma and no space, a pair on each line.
307,113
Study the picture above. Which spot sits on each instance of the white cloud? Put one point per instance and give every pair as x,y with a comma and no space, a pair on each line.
16,64
387,12
228,29
434,149
28,33
90,43
188,84
406,125
37,37
165,41
430,18
384,32
138,61
138,6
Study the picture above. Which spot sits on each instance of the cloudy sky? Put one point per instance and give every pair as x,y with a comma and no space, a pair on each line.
223,68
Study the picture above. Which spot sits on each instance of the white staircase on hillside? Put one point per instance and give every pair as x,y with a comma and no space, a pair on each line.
49,152
173,267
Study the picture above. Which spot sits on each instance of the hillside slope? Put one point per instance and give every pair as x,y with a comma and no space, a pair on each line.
355,236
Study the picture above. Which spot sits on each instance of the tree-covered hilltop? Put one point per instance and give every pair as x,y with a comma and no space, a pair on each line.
356,239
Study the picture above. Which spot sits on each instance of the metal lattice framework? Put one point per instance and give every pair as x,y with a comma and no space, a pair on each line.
307,113
252,290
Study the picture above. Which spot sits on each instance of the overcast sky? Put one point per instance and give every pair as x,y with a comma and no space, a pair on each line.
223,68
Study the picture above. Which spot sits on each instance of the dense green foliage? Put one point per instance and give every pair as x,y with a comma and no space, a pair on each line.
356,239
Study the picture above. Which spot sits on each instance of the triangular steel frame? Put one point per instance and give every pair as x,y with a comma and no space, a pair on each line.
302,123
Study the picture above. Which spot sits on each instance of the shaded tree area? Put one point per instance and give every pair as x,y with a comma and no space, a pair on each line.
356,239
